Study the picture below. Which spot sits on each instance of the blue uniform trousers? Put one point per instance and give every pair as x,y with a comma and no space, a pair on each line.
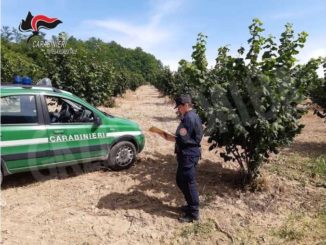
186,181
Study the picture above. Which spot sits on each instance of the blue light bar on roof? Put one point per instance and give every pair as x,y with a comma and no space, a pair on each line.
22,80
26,81
17,79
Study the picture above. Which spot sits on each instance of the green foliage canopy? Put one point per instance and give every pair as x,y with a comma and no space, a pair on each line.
250,104
92,69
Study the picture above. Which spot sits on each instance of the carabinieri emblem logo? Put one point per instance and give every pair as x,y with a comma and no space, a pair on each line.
35,23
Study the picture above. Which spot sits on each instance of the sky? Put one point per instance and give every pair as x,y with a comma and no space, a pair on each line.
168,28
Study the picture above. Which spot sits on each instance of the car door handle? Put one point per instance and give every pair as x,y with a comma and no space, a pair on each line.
58,131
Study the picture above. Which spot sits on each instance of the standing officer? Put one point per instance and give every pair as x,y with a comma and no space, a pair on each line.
187,148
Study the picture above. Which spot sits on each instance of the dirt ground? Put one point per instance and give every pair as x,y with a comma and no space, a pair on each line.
88,205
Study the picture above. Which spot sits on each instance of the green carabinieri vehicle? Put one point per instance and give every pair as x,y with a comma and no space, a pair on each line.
44,127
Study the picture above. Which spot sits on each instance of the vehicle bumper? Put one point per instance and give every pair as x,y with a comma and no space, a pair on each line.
141,142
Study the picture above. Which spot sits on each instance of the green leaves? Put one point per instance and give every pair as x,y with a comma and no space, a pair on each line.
249,105
318,90
96,71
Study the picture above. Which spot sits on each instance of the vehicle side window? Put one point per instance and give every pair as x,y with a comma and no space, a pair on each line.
18,109
66,111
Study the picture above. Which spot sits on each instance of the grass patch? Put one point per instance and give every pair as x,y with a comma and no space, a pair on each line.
301,168
321,216
291,229
300,227
200,229
318,167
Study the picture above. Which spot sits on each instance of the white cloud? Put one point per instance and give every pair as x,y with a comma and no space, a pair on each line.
163,8
312,50
131,35
148,36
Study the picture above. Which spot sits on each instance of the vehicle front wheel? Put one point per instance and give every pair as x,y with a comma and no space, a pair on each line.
122,155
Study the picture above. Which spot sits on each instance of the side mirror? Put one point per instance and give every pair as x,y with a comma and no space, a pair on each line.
97,121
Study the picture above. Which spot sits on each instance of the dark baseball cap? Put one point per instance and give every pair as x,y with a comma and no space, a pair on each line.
182,99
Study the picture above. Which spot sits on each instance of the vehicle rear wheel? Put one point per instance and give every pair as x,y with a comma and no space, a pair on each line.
122,155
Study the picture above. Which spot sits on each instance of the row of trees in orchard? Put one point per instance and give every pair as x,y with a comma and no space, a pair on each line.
92,69
318,95
250,103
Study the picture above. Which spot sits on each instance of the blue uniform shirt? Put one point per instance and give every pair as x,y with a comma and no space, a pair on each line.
189,134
